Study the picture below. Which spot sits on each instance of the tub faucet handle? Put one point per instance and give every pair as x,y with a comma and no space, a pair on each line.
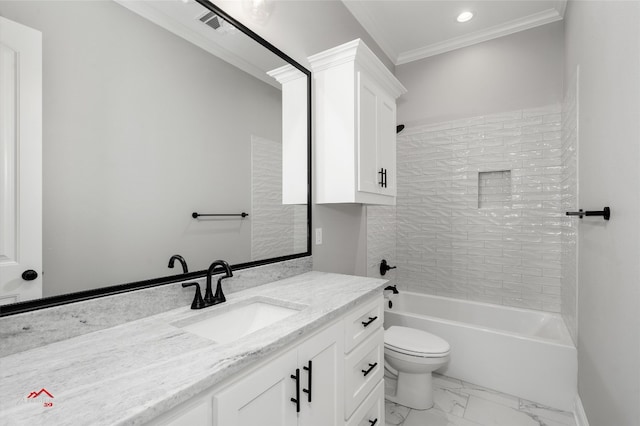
384,267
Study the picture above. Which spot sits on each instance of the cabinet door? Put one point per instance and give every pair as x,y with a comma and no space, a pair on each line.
386,154
262,398
367,137
321,361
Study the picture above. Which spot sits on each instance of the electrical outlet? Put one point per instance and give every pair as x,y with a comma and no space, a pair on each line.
318,236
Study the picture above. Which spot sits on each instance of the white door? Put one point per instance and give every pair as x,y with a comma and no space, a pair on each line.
386,127
20,162
368,173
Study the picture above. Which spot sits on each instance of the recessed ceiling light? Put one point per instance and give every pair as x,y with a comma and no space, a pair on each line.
464,17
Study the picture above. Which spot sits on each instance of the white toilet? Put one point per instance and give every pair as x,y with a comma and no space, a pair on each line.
415,354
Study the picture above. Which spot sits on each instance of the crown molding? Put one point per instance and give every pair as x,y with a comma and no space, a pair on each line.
286,74
357,51
510,27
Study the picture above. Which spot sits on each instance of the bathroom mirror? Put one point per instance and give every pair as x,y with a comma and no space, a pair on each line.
154,111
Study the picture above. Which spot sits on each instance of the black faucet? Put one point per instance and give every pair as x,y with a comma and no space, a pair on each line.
393,288
179,259
197,303
209,297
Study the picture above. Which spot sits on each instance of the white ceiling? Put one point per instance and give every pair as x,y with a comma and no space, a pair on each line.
408,30
232,46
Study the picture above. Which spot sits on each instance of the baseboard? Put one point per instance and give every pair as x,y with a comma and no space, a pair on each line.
579,414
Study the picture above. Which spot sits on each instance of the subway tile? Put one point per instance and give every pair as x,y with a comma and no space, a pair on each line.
508,245
503,292
503,260
549,289
524,271
529,121
483,128
552,307
551,272
450,245
552,281
522,303
502,276
539,297
520,286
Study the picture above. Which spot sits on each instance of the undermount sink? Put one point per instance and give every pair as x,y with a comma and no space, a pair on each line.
237,321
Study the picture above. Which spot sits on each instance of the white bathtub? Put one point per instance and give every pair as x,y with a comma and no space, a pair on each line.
516,351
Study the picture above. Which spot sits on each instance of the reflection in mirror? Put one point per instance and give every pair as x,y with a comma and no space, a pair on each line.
152,111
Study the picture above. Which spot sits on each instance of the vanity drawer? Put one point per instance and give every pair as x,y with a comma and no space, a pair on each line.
371,412
364,368
363,322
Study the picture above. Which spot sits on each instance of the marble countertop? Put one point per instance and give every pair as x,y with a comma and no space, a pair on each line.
131,373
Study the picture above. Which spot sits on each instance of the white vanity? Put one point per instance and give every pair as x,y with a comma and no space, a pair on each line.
319,363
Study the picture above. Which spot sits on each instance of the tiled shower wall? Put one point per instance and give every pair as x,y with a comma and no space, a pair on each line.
276,229
569,236
499,242
381,240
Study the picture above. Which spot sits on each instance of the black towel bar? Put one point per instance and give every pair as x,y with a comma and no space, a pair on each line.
605,213
197,215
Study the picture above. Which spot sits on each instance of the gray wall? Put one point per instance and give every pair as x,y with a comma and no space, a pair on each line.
139,131
301,29
603,38
522,70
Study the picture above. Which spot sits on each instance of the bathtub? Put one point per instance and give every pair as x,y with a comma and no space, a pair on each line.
521,352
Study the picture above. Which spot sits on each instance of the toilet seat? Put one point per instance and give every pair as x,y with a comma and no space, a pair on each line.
413,342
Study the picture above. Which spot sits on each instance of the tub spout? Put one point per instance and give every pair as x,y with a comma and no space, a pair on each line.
392,288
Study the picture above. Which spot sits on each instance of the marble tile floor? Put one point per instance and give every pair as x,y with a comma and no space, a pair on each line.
458,403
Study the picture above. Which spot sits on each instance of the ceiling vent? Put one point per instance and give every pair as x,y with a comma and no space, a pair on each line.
212,20
216,22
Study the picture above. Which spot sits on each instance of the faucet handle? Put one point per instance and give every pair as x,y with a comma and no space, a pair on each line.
384,267
219,296
198,302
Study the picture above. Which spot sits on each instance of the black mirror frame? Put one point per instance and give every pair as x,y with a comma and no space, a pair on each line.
47,302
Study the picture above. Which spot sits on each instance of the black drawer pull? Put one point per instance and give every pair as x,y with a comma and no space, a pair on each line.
308,391
368,370
371,319
373,422
296,400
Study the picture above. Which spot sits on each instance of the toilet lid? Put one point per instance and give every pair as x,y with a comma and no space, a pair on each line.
413,341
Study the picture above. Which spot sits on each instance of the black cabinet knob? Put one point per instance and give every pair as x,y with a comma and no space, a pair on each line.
29,275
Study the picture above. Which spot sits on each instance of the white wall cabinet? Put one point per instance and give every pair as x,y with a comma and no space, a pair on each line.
294,133
355,107
330,366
